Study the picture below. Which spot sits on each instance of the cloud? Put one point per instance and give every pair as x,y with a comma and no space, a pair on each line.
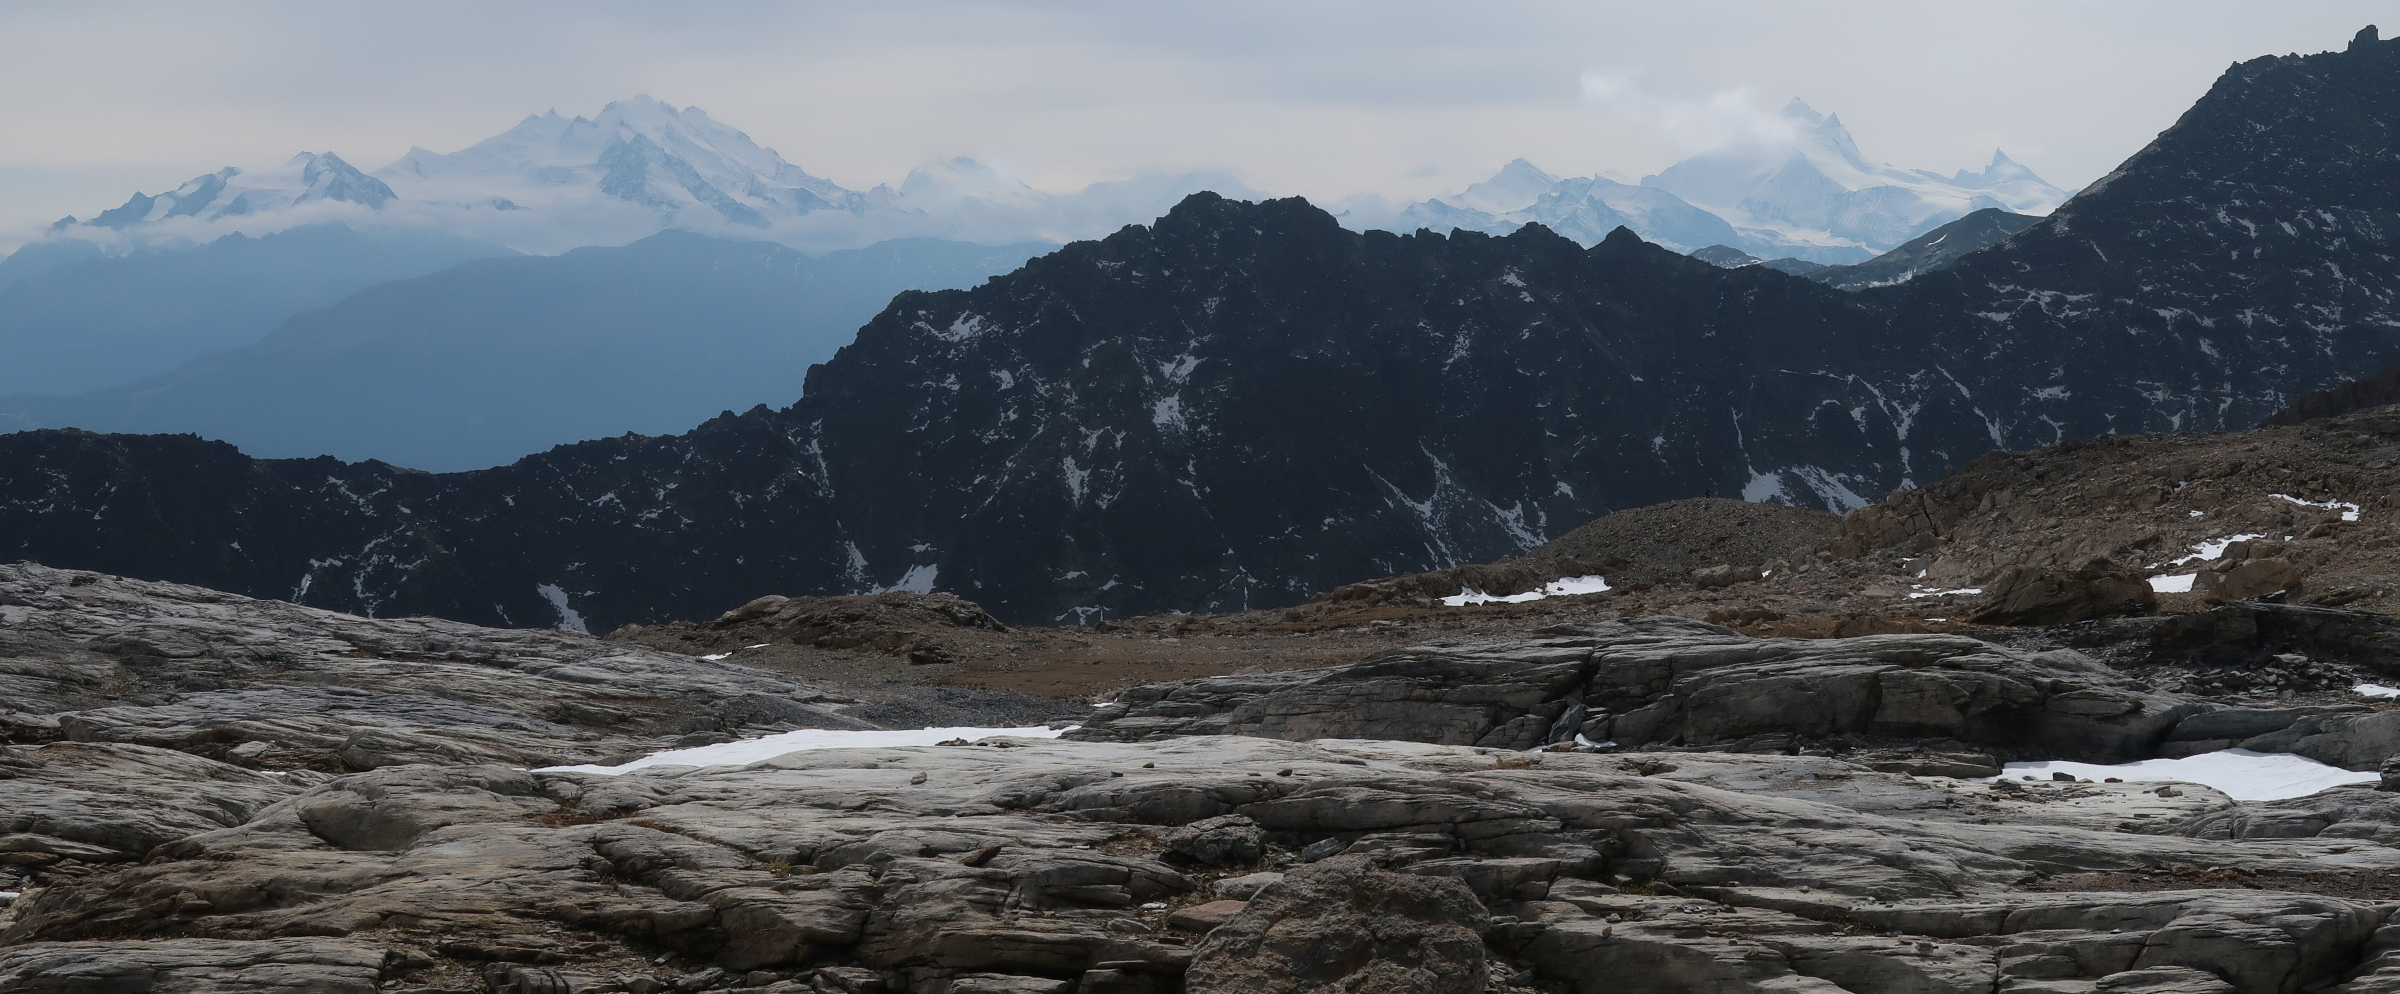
1725,117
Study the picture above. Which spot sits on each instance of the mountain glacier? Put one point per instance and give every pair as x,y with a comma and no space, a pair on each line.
552,183
1809,186
1803,190
641,166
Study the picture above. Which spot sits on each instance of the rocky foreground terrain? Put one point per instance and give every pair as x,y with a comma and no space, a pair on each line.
208,793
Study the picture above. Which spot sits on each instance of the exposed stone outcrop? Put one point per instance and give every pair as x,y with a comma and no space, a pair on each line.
1670,682
1345,925
1156,856
267,684
901,623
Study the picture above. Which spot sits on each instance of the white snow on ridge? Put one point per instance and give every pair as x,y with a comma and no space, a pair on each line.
1806,181
2238,773
639,166
2349,510
2375,690
2214,548
569,620
770,746
1564,587
1945,593
1797,189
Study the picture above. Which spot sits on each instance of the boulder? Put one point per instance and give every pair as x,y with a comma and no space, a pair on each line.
1226,840
2047,596
1723,575
2257,578
1344,924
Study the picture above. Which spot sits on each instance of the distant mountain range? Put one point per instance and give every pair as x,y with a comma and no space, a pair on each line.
73,318
481,363
554,183
1807,194
146,316
1243,403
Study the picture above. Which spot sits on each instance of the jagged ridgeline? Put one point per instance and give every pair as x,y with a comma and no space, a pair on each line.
1243,402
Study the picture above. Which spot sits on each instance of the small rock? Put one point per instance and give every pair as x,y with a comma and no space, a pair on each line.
1203,917
1003,983
1321,849
1225,840
1242,887
1724,575
699,981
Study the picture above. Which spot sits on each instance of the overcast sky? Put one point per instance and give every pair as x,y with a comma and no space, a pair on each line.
1317,97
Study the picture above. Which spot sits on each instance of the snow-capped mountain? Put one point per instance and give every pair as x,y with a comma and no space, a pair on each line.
307,178
1239,404
640,166
1584,208
1804,193
1809,185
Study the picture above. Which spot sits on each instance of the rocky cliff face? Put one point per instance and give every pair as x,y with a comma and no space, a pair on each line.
1244,403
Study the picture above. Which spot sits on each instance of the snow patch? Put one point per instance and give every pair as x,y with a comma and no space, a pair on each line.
771,746
568,619
2375,690
2214,548
1564,587
2349,510
1945,593
918,580
1168,413
2239,773
1763,488
2179,583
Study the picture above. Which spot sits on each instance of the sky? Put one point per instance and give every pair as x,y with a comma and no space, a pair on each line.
1323,98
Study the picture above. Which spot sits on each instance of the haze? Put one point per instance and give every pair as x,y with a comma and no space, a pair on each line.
1323,99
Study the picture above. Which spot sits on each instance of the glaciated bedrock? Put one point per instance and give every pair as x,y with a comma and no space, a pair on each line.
1787,814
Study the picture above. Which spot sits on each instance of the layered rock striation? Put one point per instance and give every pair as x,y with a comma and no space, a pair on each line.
1801,816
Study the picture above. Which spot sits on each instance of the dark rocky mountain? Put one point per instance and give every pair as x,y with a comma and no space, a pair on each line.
1244,403
1728,257
2379,390
73,319
481,363
1932,251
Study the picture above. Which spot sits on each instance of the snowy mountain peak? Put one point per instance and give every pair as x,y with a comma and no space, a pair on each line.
945,183
679,162
1515,187
2001,170
1821,193
1799,111
309,177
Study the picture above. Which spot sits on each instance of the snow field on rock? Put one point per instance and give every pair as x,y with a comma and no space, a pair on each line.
2237,773
1563,587
771,746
